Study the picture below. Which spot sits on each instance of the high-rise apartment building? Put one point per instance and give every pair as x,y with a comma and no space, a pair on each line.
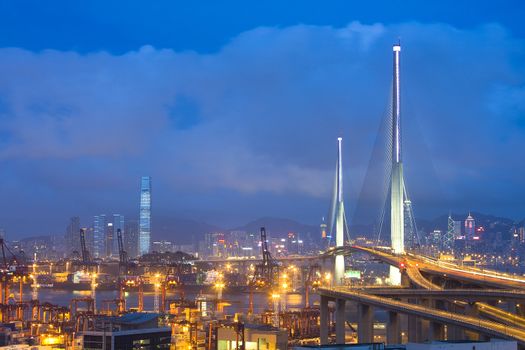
105,243
131,238
145,215
90,244
72,237
108,242
99,236
118,224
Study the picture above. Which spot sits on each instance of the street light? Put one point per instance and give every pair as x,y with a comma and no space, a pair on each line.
276,297
328,278
219,286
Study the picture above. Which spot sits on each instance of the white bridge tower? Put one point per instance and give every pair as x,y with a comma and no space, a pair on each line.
397,225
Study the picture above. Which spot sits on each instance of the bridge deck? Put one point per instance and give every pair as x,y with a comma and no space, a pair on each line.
472,323
446,269
459,294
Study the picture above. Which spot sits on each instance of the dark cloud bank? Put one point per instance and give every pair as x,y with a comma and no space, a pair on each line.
251,130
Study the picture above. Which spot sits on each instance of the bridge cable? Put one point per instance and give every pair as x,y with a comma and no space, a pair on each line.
333,204
386,131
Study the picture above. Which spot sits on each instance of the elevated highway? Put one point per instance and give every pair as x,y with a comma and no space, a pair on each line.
414,266
468,299
483,278
471,301
468,295
475,324
414,274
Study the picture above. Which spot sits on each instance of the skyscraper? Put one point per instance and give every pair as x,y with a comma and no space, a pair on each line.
324,235
145,215
88,234
448,239
470,227
99,236
108,242
131,238
72,236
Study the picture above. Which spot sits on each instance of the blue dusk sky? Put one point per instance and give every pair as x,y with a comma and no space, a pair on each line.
234,107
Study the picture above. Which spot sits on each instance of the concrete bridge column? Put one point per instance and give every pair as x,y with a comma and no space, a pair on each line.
340,321
425,327
471,310
393,335
324,320
436,331
454,332
405,280
365,327
413,329
414,326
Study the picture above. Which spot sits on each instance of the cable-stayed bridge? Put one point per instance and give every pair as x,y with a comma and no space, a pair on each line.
439,300
429,295
402,221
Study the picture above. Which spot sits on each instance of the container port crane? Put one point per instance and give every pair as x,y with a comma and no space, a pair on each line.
266,272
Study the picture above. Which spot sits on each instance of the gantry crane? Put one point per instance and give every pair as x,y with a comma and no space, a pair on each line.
86,257
312,280
125,266
11,270
123,255
266,272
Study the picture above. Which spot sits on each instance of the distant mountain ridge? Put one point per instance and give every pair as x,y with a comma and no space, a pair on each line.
279,226
491,223
185,231
188,231
181,231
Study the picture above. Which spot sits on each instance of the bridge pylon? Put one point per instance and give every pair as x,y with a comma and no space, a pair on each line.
397,226
338,217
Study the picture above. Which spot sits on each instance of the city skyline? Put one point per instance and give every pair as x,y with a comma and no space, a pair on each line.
214,142
167,171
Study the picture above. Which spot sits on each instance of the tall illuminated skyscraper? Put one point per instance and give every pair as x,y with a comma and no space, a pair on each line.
72,236
470,227
99,236
324,235
145,215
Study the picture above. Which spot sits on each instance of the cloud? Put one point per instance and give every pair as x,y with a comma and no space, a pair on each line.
261,116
